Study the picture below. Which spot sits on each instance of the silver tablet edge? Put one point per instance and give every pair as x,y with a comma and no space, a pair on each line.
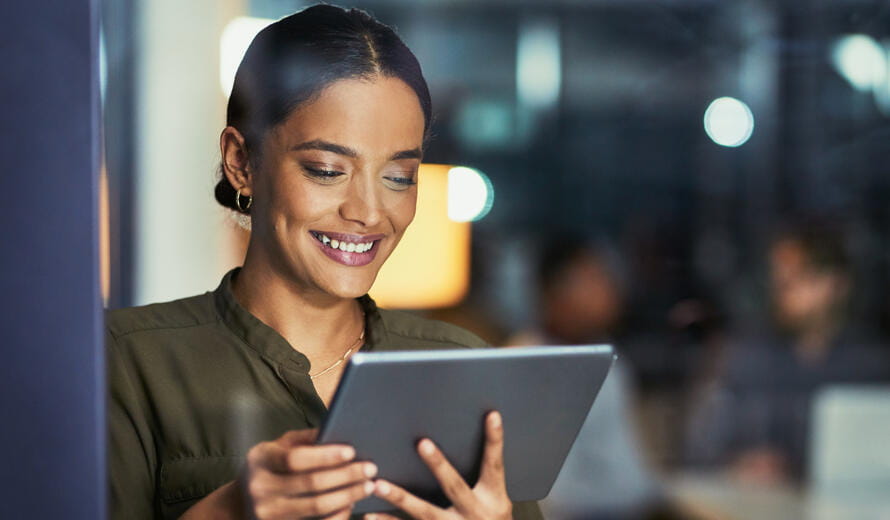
478,354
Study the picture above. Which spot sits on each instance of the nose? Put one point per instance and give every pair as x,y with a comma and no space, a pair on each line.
362,202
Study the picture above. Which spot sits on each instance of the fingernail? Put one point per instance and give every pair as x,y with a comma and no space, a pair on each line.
383,487
495,420
426,447
370,470
370,516
347,453
369,488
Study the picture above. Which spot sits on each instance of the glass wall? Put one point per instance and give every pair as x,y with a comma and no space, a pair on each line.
715,162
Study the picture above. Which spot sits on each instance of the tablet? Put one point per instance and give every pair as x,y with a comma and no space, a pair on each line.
387,401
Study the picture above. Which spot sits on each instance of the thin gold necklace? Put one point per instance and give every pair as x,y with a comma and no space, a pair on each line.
344,356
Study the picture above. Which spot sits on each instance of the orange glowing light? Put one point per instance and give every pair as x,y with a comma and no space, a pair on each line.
431,266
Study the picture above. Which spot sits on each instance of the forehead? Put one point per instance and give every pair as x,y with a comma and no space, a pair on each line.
376,116
786,253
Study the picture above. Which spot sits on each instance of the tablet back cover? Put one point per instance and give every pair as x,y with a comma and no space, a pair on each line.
387,401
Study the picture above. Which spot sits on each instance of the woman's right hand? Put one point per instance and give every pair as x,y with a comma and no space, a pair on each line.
291,477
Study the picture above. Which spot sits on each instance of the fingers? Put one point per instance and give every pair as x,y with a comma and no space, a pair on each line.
317,482
488,500
280,457
380,516
267,484
306,458
299,437
333,504
335,501
454,486
340,515
292,477
397,496
268,455
492,473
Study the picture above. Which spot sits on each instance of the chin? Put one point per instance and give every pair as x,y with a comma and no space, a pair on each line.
350,286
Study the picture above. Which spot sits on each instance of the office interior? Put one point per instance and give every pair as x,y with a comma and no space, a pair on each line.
682,173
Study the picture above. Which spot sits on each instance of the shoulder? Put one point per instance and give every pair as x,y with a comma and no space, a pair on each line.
406,330
177,314
754,359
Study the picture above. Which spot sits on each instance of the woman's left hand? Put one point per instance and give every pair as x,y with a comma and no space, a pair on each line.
486,500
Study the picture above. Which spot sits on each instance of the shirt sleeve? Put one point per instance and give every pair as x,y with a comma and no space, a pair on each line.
131,455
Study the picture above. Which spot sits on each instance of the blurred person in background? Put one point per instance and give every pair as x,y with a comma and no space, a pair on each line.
755,419
581,301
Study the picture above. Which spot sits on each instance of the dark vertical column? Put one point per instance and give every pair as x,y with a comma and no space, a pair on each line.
51,367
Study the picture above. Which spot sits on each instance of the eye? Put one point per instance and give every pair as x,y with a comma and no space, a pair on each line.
400,183
322,175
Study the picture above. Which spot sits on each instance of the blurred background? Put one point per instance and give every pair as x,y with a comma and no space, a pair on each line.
701,182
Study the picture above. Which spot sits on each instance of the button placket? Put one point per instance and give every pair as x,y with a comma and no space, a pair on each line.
300,386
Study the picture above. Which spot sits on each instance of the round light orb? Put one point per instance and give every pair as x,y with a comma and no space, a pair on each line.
470,194
860,60
729,122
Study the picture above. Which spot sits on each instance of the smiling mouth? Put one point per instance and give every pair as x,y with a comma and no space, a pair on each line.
346,244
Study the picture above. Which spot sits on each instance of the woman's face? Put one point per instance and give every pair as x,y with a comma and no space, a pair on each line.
335,187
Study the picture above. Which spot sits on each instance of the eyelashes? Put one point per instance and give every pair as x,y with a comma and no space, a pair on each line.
401,183
326,176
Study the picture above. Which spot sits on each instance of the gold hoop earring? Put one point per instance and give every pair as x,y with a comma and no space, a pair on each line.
238,202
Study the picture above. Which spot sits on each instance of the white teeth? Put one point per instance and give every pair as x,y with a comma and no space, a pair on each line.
349,247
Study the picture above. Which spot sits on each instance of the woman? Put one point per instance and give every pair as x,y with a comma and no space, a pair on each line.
326,125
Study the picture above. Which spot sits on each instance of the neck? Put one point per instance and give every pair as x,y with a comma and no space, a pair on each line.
321,326
814,342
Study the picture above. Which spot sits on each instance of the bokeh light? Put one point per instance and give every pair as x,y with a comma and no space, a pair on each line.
729,122
860,60
538,63
233,43
470,194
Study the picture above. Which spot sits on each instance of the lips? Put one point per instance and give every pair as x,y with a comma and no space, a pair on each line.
348,249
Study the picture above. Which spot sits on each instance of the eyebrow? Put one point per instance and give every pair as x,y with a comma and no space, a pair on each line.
326,146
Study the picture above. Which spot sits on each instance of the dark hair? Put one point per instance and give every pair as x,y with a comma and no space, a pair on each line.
821,243
289,63
562,250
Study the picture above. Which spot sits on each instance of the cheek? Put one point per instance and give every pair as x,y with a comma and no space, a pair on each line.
402,211
796,300
297,203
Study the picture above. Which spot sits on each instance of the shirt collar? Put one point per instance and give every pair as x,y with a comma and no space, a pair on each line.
267,341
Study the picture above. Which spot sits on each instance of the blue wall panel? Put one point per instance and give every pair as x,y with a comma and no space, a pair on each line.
51,371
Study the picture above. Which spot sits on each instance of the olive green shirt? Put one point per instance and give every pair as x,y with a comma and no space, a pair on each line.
193,383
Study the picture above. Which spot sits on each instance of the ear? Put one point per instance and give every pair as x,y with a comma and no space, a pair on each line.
235,160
